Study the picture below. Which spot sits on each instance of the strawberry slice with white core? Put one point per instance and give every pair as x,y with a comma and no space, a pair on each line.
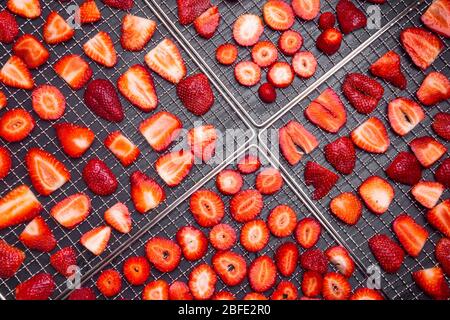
101,49
247,73
160,130
247,30
15,73
72,210
202,141
175,166
428,193
404,115
119,218
96,240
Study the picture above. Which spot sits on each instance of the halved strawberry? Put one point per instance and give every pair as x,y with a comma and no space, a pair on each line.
428,193
437,17
47,173
322,179
56,29
269,181
48,102
255,235
278,15
96,240
202,141
427,150
422,46
11,259
122,148
286,258
193,243
202,282
64,261
341,155
281,74
37,235
16,125
31,51
207,23
336,287
109,283
282,221
100,48
247,30
15,74
230,267
71,211
307,232
285,290
88,12
175,166
347,207
246,205
136,32
312,283
180,291
136,270
18,206
189,10
441,125
226,54
404,115
119,218
74,70
247,73
439,217
163,253
160,130
371,136
327,111
366,294
294,135
405,169
229,182
207,208
264,53
306,9
75,140
388,67
377,194
166,60
249,164
304,64
262,274
411,235
3,100
5,162
432,282
341,259
29,9
222,237
146,193
434,89
290,42
156,290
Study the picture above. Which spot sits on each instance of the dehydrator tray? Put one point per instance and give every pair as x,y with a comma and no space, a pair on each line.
399,285
223,116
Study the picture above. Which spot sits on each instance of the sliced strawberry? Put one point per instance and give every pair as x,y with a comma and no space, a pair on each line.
294,135
38,236
230,267
246,205
72,210
48,102
405,169
207,208
166,60
441,125
88,12
437,17
388,253
264,53
31,51
136,32
432,282
307,232
156,290
82,294
255,296
290,42
122,148
180,291
278,15
286,258
16,125
226,54
196,94
160,130
223,295
327,111
404,115
15,74
442,173
255,235
371,136
285,290
109,283
3,100
202,282
222,237
439,217
306,9
202,141
120,4
38,287
422,46
304,64
442,253
377,194
329,41
193,243
119,218
282,221
207,23
280,75
262,274
336,287
427,150
136,270
29,9
411,235
269,181
322,179
347,207
247,73
74,70
75,140
312,283
388,67
5,162
366,294
146,193
96,240
229,182
341,155
189,10
64,261
47,173
249,164
100,48
174,167
428,193
56,30
164,254
11,259
341,259
434,89
247,30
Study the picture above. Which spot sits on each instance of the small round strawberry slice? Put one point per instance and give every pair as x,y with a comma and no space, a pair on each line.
286,258
5,162
366,294
202,282
109,283
16,125
280,75
264,53
304,64
282,221
163,253
224,295
255,296
306,9
229,182
269,181
222,237
179,291
262,274
156,290
227,54
312,284
308,232
255,235
247,30
207,208
230,266
336,287
285,290
246,205
347,207
247,73
249,164
193,243
136,270
290,42
278,15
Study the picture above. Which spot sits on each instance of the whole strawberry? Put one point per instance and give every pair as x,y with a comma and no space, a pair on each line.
99,178
350,18
102,99
196,94
39,287
441,125
387,252
120,4
405,169
442,253
341,155
8,27
314,260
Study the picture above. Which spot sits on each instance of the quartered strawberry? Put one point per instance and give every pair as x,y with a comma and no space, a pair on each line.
56,30
11,259
312,283
16,125
146,193
119,218
124,149
193,243
327,111
388,253
96,240
327,20
136,32
363,92
109,283
442,253
37,235
304,64
15,74
434,89
226,54
294,135
38,287
269,181
437,17
341,155
18,206
282,221
175,166
341,259
249,164
366,294
3,100
74,70
280,74
48,102
286,258
377,194
207,208
346,207
439,217
428,193
255,296
222,237
247,73
404,115
156,290
166,60
314,260
101,49
264,53
432,282
75,140
202,141
246,205
411,235
371,136
189,10
136,270
255,235
160,130
229,182
164,254
47,173
441,125
336,287
388,67
9,29
223,295
180,291
350,18
29,9
427,150
422,46
307,232
329,41
202,282
278,15
196,94
247,30
64,261
82,294
290,42
72,210
31,51
89,12
306,9
285,290
99,178
405,169
207,23
102,99
442,173
262,274
5,162
230,267
322,179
